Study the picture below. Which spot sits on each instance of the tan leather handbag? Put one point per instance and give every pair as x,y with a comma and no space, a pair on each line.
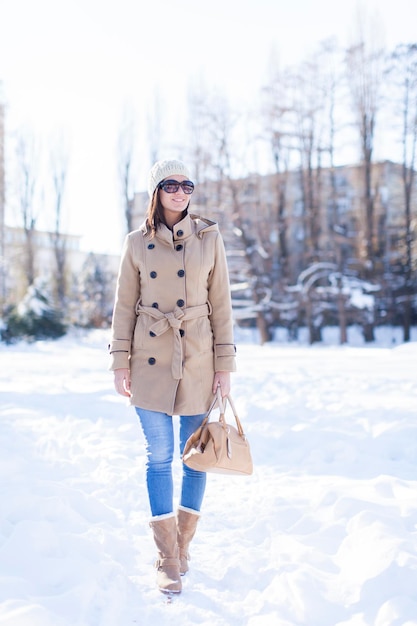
218,446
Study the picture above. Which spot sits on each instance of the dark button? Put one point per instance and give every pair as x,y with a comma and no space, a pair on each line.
152,361
179,247
152,334
181,273
154,274
180,302
151,246
182,332
180,233
155,305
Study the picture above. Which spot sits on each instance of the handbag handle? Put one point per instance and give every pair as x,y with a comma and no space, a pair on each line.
222,407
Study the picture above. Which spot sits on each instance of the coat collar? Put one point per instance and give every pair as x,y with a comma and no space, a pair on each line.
191,224
202,224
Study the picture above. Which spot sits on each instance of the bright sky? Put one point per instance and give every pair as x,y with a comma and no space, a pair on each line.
72,66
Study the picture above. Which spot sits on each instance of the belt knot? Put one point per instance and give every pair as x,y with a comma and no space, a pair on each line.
173,320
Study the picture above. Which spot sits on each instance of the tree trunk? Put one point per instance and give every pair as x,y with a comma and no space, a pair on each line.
314,332
342,318
407,319
368,332
265,333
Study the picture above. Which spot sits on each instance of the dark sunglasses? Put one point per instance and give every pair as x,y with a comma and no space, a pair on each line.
172,186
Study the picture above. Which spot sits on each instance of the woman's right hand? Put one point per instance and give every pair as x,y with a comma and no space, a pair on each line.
122,382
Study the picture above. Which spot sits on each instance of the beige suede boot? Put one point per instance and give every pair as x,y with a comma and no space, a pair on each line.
164,529
186,526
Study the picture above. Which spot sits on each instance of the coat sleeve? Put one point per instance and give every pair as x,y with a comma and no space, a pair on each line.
221,311
124,312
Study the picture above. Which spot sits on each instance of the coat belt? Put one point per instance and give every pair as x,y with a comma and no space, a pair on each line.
173,320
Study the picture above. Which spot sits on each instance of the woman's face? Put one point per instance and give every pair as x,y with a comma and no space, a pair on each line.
174,203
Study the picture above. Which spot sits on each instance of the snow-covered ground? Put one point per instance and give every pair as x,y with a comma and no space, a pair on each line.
323,534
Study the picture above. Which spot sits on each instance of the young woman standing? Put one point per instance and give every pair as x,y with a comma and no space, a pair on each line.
171,347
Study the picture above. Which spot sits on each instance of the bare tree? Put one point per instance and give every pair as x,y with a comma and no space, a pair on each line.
305,110
126,148
308,112
200,145
59,168
299,116
154,126
336,236
277,111
405,74
250,233
316,91
365,67
365,61
215,126
26,180
329,57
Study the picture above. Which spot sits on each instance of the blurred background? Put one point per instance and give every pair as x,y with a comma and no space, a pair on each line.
297,120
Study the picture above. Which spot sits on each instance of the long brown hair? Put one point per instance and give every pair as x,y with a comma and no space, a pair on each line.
155,213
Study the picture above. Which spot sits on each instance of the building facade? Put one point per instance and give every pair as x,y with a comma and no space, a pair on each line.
298,219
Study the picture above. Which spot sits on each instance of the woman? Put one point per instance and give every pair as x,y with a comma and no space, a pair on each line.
172,346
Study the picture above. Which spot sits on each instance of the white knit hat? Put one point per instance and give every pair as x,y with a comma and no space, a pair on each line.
164,169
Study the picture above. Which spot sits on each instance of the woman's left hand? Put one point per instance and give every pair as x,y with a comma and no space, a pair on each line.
222,379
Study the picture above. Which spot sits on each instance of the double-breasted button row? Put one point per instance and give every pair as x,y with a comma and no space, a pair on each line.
178,247
180,273
180,303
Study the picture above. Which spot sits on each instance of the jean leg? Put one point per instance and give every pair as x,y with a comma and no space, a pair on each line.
193,482
159,435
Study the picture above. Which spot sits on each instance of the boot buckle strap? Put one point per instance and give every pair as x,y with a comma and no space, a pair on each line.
168,560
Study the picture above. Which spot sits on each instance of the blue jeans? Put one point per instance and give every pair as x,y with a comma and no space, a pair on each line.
159,435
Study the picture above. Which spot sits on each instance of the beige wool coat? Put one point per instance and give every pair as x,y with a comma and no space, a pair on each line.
172,320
